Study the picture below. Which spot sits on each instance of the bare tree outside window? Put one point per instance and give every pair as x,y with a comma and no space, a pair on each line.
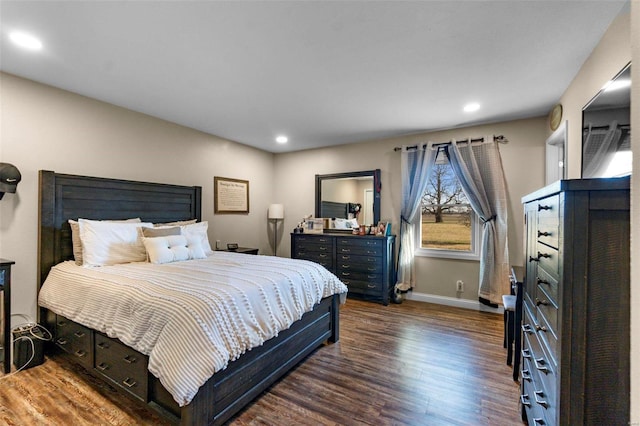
446,213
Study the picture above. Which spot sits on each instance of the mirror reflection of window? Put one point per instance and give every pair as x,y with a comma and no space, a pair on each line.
606,132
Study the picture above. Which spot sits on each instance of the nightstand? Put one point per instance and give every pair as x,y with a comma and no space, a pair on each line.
243,250
5,312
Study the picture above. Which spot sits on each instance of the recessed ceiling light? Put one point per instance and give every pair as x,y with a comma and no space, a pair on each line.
473,106
282,139
616,84
25,40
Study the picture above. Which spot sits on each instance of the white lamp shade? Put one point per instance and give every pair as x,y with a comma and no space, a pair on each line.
276,211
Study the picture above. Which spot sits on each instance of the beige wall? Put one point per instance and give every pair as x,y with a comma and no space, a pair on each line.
635,216
47,128
294,186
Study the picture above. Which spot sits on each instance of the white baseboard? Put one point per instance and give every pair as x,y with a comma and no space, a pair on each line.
452,301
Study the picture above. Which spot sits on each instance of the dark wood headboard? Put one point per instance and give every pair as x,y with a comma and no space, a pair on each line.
64,197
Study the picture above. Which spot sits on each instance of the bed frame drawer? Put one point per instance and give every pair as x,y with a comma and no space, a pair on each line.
122,365
75,339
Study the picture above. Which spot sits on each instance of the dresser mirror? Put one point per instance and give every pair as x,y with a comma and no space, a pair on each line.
606,130
348,199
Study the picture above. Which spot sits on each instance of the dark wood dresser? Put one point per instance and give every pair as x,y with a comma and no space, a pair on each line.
575,332
365,263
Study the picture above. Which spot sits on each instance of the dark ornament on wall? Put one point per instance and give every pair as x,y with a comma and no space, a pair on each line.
9,178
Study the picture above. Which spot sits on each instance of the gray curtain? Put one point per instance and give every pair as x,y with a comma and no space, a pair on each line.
479,169
599,147
416,167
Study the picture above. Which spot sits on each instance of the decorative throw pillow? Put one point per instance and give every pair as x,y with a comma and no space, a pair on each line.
173,248
177,223
75,236
198,230
160,231
110,243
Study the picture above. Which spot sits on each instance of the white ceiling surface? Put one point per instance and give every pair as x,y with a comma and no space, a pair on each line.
321,72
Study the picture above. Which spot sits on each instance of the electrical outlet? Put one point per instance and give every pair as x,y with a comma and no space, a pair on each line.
218,245
460,286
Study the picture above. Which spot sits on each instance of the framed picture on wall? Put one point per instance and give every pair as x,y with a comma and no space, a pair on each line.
230,195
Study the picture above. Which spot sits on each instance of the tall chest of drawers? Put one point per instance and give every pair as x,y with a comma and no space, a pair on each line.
575,328
363,262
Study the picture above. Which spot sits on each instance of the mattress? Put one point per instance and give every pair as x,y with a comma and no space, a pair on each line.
191,317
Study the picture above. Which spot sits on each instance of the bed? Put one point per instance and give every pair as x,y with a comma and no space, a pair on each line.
64,197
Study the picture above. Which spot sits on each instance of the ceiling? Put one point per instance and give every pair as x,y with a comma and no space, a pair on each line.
320,72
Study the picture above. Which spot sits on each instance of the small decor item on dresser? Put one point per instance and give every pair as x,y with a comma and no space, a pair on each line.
314,226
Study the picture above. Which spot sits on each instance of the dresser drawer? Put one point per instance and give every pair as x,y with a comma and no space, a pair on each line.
548,260
358,276
359,250
122,365
360,246
324,259
74,339
363,287
547,337
535,413
369,264
548,284
314,247
547,307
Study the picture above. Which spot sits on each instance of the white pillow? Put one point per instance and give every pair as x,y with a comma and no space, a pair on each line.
173,248
75,236
110,243
198,230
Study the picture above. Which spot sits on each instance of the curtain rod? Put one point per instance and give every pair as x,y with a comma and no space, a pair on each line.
499,139
620,126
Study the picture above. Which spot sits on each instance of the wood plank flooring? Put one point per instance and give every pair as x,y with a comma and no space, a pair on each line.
408,364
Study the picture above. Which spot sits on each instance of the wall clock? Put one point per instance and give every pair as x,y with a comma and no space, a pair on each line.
555,116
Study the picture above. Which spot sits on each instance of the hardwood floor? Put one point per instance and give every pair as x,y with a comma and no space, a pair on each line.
408,364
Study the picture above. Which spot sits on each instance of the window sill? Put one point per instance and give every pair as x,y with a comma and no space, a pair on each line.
447,254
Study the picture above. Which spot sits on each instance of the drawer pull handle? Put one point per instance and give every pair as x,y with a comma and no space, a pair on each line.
344,250
524,399
526,354
541,281
541,207
103,345
371,243
102,366
526,375
371,276
540,401
323,240
323,255
346,266
62,323
371,252
371,269
526,328
540,365
541,328
545,255
539,302
371,286
78,334
346,274
533,259
62,341
538,421
80,353
346,257
544,234
129,359
129,382
323,248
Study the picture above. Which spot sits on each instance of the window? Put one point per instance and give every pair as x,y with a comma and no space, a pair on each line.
448,226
